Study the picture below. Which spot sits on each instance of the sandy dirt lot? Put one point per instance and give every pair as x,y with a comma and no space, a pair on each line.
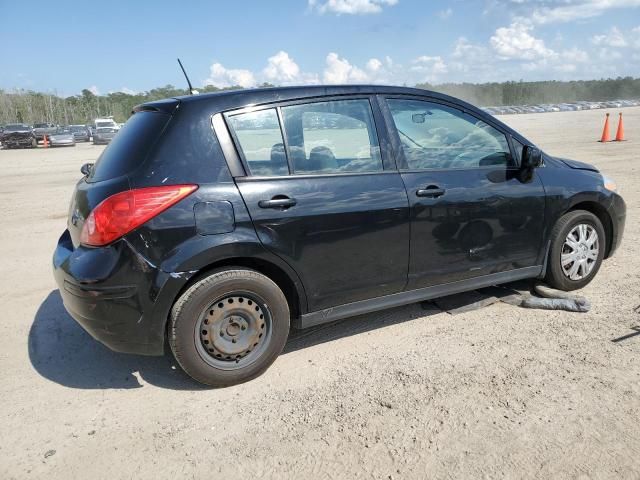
408,393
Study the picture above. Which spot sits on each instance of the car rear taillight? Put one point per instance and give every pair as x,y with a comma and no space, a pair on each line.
125,211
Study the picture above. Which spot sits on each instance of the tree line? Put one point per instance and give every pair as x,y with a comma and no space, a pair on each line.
550,91
27,106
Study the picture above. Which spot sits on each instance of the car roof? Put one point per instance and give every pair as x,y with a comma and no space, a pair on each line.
231,99
275,94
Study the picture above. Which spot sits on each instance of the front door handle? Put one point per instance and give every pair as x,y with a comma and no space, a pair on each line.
278,202
432,191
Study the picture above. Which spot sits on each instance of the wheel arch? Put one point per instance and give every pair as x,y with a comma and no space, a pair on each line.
603,215
292,289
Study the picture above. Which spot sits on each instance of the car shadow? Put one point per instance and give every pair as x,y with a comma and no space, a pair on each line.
61,351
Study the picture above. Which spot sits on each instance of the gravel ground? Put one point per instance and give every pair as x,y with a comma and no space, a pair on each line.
408,393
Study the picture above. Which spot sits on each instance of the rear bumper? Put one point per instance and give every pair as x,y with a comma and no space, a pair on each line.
115,295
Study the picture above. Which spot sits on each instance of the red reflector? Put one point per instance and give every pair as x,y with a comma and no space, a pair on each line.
125,211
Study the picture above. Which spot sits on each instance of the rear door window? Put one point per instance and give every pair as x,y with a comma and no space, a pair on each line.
332,137
260,142
130,146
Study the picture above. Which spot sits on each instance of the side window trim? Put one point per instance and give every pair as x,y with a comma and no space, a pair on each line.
285,141
233,152
228,146
396,143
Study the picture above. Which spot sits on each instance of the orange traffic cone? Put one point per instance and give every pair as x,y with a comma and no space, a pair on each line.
606,136
45,143
620,132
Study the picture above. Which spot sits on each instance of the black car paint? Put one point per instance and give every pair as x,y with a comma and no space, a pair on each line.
329,268
22,137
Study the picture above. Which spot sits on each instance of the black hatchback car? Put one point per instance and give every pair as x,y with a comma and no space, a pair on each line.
219,221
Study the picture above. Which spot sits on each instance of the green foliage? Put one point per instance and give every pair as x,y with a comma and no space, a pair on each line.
31,107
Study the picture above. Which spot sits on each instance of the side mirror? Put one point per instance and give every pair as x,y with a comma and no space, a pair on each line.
531,158
86,169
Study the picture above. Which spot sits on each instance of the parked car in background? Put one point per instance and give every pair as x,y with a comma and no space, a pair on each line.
62,137
216,222
18,135
106,122
42,129
103,135
81,133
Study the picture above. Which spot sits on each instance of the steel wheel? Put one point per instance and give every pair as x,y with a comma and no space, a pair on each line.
232,332
580,251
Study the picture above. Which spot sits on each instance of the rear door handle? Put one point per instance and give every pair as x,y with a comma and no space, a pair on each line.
432,191
281,202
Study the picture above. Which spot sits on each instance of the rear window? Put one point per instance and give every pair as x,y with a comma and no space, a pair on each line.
130,146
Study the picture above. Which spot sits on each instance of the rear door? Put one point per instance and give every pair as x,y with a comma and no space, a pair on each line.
472,212
323,198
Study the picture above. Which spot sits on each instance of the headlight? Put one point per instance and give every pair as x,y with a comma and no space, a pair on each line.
609,184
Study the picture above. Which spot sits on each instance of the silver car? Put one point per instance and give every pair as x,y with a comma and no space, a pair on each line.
103,135
63,137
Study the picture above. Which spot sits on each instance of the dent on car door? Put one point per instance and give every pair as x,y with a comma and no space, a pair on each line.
472,213
321,199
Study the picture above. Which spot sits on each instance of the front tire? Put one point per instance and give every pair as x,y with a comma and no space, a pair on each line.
578,244
229,327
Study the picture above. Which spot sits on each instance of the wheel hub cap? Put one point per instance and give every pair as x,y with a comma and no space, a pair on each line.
580,252
231,329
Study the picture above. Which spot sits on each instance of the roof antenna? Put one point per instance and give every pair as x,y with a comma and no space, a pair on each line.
192,91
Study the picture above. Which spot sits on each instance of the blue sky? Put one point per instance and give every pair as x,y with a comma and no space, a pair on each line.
132,45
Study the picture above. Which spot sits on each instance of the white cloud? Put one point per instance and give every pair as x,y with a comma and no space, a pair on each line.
614,38
515,42
428,68
339,70
350,7
607,55
464,49
575,55
226,77
93,89
635,37
281,68
128,91
374,65
444,14
559,11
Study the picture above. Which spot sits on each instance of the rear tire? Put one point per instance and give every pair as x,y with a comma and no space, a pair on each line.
229,327
578,244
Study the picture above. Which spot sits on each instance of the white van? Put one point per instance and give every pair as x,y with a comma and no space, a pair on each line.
106,122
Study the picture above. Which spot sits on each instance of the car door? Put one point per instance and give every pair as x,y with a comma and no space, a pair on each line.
473,213
322,198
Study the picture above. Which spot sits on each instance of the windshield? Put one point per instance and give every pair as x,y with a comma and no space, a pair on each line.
15,127
40,125
106,130
105,124
78,128
63,130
